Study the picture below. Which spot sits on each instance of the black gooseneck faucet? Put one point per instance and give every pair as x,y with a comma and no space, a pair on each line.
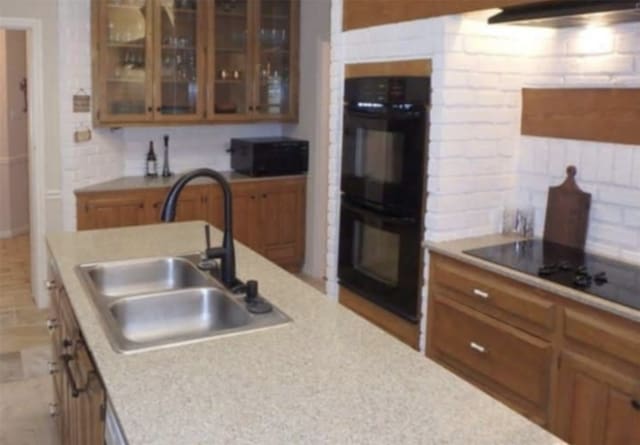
226,253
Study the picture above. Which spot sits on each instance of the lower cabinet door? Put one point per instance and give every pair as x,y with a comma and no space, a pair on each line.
513,365
596,404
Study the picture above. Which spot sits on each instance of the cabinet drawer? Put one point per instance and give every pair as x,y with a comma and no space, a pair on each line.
478,344
614,339
494,295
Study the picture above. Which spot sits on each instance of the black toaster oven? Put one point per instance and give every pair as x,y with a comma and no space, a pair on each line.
274,156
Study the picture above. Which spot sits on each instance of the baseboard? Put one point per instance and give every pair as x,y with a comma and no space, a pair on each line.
403,330
10,233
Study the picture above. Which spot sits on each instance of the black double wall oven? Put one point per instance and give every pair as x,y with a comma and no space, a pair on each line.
384,164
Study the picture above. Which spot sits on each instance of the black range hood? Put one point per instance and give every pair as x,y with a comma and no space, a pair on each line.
568,13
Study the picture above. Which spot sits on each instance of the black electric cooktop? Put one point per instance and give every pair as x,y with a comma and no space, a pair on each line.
605,278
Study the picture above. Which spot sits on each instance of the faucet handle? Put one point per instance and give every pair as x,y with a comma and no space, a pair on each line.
207,236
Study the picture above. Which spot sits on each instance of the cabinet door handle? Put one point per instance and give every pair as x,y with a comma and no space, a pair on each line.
481,293
50,284
53,409
477,347
635,404
52,324
53,367
75,390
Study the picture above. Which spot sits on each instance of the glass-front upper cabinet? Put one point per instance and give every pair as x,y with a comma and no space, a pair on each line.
179,60
124,72
276,58
230,73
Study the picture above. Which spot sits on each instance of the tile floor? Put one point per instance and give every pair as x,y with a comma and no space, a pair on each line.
25,384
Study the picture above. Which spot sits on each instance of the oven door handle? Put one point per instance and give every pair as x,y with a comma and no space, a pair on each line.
385,114
370,215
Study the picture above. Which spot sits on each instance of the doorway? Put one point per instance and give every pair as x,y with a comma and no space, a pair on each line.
22,125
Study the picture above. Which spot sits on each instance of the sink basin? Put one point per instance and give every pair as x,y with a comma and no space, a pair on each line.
185,313
152,303
134,277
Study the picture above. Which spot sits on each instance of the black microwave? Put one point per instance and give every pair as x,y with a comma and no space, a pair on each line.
275,156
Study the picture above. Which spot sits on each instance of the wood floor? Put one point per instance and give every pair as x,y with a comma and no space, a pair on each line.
25,384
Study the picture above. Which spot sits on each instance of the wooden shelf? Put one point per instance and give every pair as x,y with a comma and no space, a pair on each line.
590,114
125,45
117,80
134,7
178,48
230,15
230,81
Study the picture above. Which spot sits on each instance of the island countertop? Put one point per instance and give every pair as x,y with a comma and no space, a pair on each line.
329,377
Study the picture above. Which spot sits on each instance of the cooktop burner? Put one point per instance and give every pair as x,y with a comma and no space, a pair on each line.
609,279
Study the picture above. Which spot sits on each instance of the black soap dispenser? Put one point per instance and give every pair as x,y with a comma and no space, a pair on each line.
152,164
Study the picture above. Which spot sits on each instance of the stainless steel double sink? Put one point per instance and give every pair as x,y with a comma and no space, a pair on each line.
152,303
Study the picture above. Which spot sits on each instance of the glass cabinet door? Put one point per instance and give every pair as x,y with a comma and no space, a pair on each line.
230,74
179,60
276,57
124,54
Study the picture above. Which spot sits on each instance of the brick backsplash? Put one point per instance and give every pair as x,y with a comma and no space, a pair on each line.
190,147
479,163
610,172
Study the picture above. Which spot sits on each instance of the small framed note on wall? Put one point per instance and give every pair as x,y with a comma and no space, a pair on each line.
81,102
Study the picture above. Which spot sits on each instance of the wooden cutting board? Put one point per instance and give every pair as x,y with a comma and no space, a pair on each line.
567,213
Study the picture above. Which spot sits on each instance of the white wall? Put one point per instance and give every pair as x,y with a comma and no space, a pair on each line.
610,172
478,162
314,126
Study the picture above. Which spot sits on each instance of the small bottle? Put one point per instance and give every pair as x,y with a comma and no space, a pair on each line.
274,93
152,164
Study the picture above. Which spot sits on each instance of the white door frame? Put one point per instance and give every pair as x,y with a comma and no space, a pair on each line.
37,213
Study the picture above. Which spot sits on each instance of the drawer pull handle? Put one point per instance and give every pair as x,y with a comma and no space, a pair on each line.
75,390
52,324
50,284
635,404
53,409
481,293
476,347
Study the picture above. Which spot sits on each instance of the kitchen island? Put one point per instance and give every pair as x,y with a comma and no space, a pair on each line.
327,377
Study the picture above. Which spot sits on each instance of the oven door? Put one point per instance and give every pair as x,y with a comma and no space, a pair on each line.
379,258
383,159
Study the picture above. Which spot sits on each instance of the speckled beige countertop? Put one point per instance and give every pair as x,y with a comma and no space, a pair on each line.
455,249
327,378
143,182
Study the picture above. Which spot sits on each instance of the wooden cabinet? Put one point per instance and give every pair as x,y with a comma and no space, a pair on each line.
111,210
566,366
195,61
597,404
498,357
268,215
254,69
366,13
79,394
193,205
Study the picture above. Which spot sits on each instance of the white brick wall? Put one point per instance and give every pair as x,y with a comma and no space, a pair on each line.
610,172
101,158
479,163
189,147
